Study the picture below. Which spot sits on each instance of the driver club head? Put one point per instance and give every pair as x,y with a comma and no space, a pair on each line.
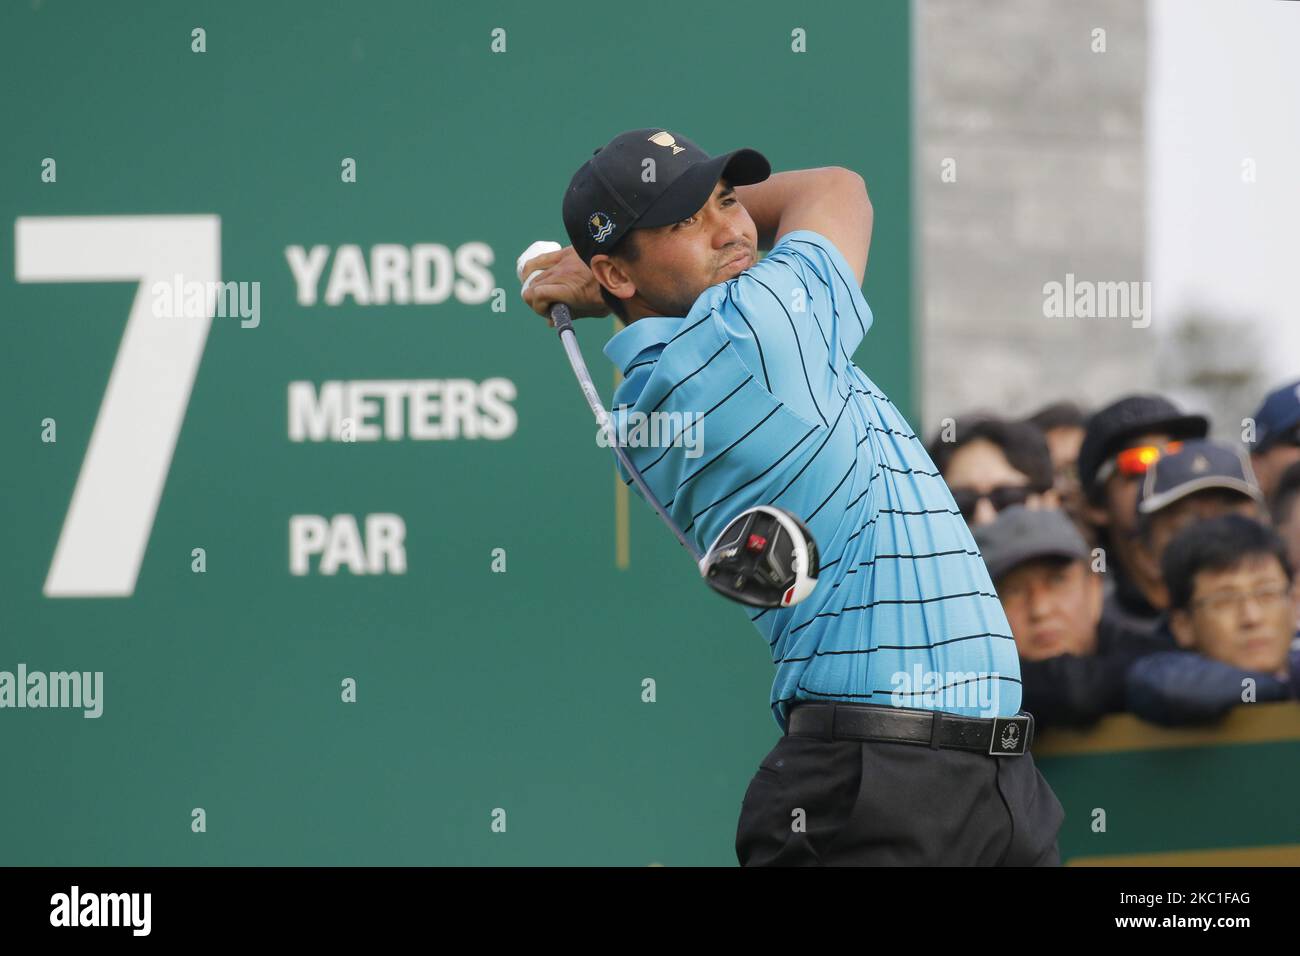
764,557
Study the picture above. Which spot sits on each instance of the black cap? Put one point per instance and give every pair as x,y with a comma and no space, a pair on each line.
1022,534
1109,429
609,196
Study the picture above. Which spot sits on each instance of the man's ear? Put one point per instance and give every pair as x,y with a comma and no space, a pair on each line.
609,273
1180,622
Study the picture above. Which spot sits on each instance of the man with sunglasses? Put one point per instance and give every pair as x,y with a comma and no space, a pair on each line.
991,464
1277,436
1122,440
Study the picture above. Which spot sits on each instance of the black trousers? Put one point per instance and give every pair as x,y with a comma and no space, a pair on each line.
817,802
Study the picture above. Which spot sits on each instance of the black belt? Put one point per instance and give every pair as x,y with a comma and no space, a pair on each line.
840,720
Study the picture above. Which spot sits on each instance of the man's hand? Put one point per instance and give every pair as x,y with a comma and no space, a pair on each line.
565,278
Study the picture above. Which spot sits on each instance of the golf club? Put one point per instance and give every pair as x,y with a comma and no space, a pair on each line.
764,557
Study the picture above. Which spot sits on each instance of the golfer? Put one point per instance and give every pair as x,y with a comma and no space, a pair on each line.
897,684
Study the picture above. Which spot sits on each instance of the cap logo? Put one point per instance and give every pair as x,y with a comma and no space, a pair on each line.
1200,464
600,226
665,138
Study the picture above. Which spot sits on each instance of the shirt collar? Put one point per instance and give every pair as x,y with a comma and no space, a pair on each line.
642,334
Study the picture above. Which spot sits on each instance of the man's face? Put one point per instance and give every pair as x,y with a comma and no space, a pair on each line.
980,467
1122,494
1118,514
1240,616
1053,606
1064,443
679,261
1211,503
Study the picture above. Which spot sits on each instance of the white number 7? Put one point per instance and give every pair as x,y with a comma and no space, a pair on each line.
113,506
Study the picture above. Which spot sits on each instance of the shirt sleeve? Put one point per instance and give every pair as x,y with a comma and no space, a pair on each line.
1180,687
796,317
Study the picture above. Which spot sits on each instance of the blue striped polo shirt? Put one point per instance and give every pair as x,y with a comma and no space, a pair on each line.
904,612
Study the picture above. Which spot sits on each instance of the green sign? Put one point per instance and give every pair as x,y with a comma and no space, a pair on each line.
295,483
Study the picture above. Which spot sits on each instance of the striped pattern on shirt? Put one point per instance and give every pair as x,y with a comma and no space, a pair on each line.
904,612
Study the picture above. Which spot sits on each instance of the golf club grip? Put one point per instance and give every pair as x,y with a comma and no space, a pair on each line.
562,317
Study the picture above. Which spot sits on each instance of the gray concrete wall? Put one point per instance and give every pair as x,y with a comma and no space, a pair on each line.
1047,139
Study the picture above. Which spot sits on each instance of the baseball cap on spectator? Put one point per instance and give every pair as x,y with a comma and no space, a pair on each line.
1278,417
1111,427
1196,466
1022,534
609,195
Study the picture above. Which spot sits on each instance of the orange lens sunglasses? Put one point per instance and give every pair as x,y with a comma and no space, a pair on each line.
1135,461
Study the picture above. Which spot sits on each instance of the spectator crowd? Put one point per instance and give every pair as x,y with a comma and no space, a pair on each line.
1143,566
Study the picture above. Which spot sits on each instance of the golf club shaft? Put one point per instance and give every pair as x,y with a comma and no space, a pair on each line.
563,320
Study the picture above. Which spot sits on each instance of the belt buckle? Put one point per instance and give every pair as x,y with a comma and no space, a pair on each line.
1009,737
